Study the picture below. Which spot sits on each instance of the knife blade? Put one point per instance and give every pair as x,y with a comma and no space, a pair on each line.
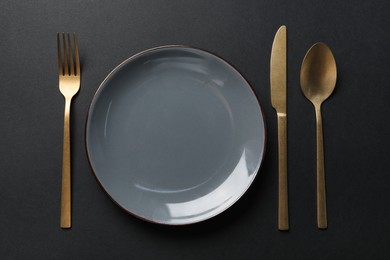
278,80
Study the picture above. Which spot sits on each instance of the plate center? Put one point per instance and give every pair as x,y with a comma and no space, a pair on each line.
172,131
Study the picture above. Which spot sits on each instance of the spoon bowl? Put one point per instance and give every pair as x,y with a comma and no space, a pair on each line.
318,80
318,73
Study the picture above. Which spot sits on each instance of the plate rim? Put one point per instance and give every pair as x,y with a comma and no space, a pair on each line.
129,59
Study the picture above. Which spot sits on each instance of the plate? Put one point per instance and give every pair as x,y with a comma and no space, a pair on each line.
175,135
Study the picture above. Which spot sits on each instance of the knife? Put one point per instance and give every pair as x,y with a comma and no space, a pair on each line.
278,78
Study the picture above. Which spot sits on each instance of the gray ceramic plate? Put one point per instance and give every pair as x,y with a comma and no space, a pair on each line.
175,135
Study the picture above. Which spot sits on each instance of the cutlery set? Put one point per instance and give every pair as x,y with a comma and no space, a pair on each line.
200,191
318,80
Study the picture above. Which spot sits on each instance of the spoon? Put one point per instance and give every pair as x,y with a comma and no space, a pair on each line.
318,80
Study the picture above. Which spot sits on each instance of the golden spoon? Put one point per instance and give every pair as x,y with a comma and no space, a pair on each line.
318,80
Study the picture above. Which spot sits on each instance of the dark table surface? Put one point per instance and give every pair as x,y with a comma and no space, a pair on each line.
356,128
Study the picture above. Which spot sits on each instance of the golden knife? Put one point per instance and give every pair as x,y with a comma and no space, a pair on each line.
278,78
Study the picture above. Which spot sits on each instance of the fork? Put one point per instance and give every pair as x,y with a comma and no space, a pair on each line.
69,84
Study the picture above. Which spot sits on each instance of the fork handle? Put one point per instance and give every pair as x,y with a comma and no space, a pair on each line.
283,195
66,178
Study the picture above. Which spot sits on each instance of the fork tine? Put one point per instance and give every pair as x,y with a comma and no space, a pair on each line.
66,71
77,58
71,65
60,70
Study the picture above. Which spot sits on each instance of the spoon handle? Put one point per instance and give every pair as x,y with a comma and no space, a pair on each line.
321,195
283,195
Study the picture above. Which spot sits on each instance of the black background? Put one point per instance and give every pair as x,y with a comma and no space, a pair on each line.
356,129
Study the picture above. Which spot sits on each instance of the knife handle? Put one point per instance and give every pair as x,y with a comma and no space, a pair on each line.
282,149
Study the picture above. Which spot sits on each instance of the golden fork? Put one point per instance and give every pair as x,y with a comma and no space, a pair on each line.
69,83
